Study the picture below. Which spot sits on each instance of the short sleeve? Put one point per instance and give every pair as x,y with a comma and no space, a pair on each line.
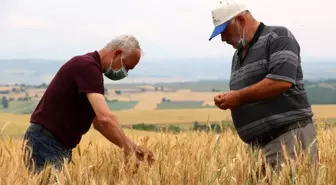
88,78
283,60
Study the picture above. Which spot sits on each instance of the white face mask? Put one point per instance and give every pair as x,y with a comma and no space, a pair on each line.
242,41
118,74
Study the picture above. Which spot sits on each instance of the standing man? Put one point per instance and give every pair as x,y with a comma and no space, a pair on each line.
267,98
74,99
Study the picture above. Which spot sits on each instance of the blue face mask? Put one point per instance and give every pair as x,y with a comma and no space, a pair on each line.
116,75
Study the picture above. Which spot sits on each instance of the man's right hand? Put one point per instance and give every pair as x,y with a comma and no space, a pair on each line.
141,153
108,125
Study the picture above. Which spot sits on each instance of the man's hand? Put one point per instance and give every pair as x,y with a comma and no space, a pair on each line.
227,100
218,99
107,124
141,153
267,88
230,101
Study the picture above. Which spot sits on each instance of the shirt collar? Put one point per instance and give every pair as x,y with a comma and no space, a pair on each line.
96,57
255,37
257,33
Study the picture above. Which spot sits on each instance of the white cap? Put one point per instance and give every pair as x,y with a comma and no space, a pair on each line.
225,11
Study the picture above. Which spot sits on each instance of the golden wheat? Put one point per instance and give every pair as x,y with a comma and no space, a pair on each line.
185,158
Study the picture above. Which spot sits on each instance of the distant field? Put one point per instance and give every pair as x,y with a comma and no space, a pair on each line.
178,100
181,99
175,116
318,92
184,95
20,107
122,105
27,107
199,86
323,94
191,115
181,104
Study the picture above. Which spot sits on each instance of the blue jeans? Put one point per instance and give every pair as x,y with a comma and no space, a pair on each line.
43,148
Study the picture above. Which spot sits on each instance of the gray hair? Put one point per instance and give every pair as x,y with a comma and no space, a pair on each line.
126,42
243,13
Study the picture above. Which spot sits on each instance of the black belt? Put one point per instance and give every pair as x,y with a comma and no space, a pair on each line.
42,130
263,140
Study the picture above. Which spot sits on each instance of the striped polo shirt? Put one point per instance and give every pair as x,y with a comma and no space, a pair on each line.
273,53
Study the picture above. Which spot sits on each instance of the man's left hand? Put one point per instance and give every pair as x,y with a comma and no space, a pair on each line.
231,100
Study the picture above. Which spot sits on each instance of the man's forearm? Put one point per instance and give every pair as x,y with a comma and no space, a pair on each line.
113,132
264,89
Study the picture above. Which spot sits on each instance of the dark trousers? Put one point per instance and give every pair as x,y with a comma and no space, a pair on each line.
41,148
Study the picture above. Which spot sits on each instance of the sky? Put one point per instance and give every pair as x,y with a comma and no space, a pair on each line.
171,29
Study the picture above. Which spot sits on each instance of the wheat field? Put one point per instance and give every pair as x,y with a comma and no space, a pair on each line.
185,158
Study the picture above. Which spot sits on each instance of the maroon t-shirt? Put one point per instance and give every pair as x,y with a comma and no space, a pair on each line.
64,108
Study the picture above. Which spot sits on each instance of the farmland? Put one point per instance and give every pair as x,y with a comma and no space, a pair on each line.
22,99
183,155
322,112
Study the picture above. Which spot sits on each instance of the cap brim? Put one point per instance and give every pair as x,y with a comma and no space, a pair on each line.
218,30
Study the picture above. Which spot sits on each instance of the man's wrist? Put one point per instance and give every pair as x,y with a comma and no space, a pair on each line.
241,96
129,148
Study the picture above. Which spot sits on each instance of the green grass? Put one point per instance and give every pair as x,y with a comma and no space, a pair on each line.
20,107
27,107
321,95
121,105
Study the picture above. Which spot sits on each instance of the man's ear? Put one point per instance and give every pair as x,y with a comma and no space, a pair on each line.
240,20
116,53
